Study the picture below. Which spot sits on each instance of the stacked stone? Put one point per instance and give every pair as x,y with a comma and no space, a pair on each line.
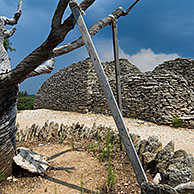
51,131
76,88
65,90
181,67
158,96
173,167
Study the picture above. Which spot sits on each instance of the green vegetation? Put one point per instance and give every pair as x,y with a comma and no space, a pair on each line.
8,45
81,185
25,101
61,139
104,149
1,176
92,147
55,189
107,150
110,176
176,122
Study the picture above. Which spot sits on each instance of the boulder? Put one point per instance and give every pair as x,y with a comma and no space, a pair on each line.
150,188
30,161
185,188
180,169
163,157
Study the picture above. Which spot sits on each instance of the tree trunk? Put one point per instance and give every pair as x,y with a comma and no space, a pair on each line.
8,96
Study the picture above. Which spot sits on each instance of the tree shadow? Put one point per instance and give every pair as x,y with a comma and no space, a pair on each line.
67,184
64,152
68,170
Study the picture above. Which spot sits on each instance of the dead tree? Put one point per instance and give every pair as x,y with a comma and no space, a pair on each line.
40,61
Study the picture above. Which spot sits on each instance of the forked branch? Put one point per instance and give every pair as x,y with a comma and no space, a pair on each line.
16,16
28,67
56,21
45,50
95,28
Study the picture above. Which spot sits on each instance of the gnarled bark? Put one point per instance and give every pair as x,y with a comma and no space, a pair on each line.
8,96
31,66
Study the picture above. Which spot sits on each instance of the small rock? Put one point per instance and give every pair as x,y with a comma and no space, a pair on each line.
157,178
9,178
14,179
140,122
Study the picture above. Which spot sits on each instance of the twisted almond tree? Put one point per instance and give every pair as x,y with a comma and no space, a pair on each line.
40,61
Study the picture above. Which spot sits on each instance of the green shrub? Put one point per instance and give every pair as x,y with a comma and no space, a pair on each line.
25,101
176,122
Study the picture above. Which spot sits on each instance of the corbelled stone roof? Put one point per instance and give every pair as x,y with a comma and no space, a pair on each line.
158,96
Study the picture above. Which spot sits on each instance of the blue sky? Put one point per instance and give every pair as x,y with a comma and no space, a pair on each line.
155,31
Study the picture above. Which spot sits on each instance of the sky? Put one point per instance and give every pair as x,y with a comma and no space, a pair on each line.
153,32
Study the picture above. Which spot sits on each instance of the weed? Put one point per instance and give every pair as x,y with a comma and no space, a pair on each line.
81,185
176,122
91,147
61,140
55,189
110,176
1,176
72,144
106,152
105,148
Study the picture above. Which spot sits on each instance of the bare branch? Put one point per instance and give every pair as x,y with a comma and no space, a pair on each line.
61,50
85,4
19,6
46,68
16,17
45,51
48,48
132,6
62,5
9,33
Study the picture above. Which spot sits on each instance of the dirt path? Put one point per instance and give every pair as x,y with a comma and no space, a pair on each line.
72,171
183,138
75,169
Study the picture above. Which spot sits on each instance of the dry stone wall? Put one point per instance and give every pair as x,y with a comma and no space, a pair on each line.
158,96
172,167
76,87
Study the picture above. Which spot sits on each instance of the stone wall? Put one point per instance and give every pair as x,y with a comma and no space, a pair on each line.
166,165
76,87
158,96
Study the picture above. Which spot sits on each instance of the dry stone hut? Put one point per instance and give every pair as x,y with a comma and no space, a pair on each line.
158,96
76,88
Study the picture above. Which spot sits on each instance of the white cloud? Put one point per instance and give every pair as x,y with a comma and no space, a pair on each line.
145,59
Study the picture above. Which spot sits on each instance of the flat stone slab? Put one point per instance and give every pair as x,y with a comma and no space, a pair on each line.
30,160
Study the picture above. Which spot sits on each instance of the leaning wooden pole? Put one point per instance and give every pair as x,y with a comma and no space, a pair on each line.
127,141
117,63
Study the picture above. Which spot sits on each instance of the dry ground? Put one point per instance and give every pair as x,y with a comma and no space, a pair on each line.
72,171
75,169
69,168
